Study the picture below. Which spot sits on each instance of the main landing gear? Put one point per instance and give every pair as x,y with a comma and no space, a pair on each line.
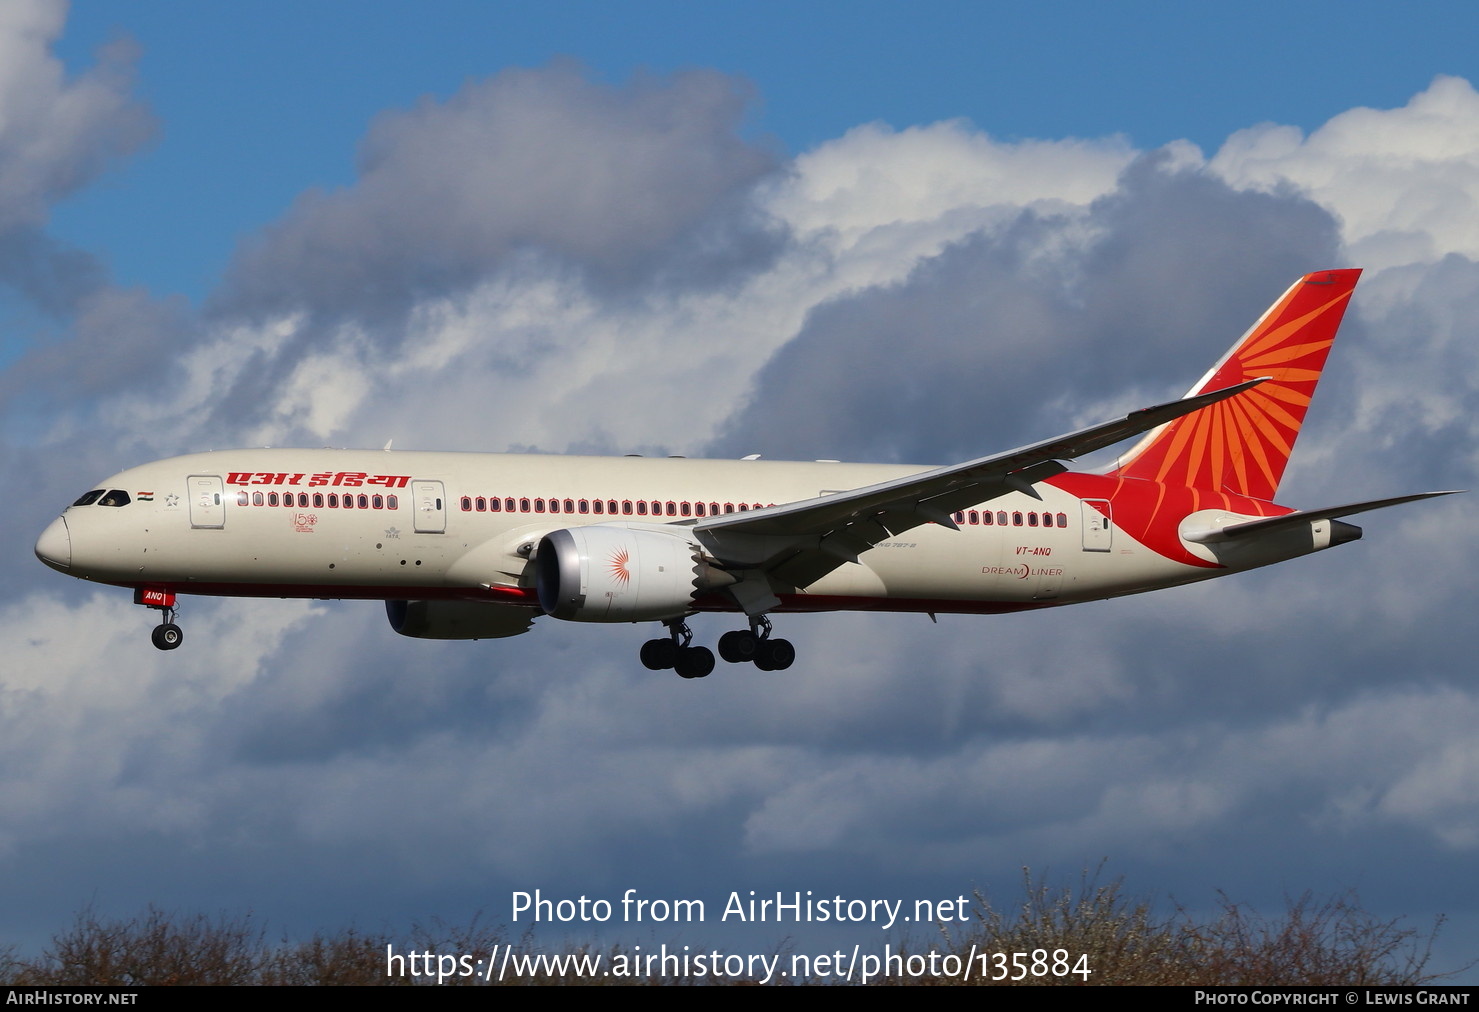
737,647
166,635
677,652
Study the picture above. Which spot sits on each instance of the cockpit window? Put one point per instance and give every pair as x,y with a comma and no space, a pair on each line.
115,497
89,498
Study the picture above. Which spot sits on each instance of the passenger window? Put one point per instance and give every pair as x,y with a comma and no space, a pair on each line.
392,502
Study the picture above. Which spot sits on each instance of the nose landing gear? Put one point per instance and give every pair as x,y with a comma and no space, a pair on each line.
166,635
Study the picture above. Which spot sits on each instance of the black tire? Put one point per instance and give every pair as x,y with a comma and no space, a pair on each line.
776,655
695,662
659,655
167,636
738,646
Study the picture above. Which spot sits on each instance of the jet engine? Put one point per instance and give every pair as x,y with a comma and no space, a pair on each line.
623,573
458,620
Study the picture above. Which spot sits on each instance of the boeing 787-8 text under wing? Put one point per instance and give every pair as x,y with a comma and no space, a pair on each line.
476,546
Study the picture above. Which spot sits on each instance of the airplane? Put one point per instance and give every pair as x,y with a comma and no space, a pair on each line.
480,546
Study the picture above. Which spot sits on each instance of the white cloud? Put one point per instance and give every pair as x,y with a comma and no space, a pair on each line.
1404,182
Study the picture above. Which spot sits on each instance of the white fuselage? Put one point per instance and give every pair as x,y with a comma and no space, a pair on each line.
410,525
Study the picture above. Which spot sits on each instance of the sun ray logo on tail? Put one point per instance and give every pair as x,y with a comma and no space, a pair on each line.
1242,445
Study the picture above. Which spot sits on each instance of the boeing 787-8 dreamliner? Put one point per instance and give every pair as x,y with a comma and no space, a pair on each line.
479,546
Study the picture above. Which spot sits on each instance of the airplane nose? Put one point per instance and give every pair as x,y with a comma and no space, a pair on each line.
54,547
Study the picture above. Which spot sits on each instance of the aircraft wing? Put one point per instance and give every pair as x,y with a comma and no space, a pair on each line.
800,542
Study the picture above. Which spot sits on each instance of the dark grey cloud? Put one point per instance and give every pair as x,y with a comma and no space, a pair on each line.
57,135
616,183
625,192
996,339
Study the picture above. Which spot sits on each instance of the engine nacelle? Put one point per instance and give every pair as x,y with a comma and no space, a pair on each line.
458,620
623,573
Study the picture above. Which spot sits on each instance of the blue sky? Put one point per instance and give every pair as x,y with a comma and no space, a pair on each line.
257,103
856,231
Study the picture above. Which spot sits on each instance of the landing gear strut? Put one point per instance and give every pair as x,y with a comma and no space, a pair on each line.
677,652
166,635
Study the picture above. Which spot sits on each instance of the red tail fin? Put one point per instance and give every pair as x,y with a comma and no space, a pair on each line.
1242,444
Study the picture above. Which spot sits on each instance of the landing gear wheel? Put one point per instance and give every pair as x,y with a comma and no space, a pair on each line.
738,646
658,655
167,636
775,655
695,662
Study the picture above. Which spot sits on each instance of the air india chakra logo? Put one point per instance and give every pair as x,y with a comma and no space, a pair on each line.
619,561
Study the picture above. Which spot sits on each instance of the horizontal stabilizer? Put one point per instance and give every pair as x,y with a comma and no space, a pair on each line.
1299,518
